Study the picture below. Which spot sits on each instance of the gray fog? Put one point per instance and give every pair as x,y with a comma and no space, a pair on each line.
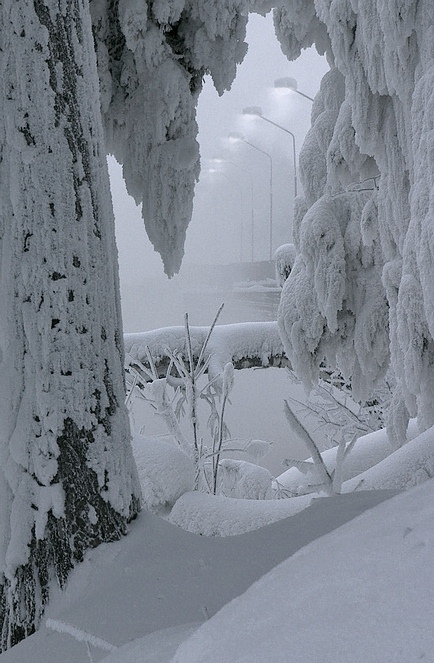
232,196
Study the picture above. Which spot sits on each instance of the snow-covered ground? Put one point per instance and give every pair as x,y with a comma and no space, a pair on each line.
364,593
347,579
160,577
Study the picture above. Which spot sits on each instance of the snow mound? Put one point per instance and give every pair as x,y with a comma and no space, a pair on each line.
160,576
408,466
245,480
361,594
215,515
368,451
156,647
165,472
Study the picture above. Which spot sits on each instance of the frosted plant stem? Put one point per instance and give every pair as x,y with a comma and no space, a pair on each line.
216,458
301,431
131,392
337,474
205,344
89,653
80,635
193,404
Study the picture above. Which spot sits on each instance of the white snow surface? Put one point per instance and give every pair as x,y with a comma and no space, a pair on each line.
216,515
160,577
363,593
165,471
368,452
408,466
303,587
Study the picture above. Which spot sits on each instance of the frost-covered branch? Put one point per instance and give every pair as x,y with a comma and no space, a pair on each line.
152,59
360,291
324,475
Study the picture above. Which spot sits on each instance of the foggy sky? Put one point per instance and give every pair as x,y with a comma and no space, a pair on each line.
222,205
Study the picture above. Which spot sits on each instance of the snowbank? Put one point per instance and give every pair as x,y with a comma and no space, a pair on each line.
165,472
228,343
368,451
160,576
213,515
409,466
362,594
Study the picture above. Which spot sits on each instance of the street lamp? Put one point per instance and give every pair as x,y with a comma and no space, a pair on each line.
239,138
256,111
252,213
289,84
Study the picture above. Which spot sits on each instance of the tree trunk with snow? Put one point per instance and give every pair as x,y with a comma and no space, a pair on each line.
67,478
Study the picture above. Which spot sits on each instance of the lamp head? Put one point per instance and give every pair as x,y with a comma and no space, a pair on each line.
255,111
285,84
235,137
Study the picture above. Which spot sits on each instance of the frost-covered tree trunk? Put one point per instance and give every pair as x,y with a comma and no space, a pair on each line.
67,478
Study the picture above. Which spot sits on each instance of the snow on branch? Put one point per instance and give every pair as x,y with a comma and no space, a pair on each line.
371,137
152,59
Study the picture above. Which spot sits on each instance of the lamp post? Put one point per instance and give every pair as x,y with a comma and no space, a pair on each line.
289,84
239,138
216,171
256,111
252,213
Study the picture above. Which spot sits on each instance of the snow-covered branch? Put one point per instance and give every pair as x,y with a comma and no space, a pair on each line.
360,291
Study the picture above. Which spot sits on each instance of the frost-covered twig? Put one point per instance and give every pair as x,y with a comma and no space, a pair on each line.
228,381
330,403
304,435
80,635
343,451
183,374
208,336
330,481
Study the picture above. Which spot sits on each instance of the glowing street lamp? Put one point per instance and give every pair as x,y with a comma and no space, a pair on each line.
289,84
235,137
256,111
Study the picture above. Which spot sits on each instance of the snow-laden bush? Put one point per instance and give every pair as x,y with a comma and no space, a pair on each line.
165,471
284,258
176,399
245,480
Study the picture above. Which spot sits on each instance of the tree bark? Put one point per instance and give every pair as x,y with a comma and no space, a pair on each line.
67,477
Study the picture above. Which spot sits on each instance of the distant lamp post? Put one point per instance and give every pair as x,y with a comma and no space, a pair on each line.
252,212
236,137
256,111
216,171
284,84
